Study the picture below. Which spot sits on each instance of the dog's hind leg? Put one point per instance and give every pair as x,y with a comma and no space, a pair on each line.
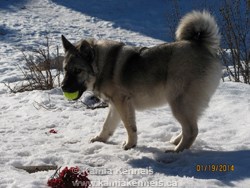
185,113
109,126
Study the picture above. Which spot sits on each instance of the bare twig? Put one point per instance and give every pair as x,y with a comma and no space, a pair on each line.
38,71
235,30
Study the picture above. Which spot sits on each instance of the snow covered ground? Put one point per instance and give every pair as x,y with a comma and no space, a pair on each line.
26,118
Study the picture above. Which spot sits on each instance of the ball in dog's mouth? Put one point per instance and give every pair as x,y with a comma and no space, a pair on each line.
71,95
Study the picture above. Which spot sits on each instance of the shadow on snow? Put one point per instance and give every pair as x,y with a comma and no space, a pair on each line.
185,164
150,18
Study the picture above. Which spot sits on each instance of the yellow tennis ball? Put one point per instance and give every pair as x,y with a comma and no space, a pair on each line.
71,96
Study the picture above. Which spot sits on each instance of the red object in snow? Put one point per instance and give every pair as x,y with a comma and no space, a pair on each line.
69,178
53,131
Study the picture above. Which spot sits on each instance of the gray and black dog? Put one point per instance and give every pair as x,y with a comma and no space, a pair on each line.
184,74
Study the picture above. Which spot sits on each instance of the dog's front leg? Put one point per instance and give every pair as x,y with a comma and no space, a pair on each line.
127,114
109,126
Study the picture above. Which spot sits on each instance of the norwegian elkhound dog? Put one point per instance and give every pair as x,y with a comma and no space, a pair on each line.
184,74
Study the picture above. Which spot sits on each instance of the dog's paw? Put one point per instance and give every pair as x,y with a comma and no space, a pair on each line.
127,146
170,149
97,139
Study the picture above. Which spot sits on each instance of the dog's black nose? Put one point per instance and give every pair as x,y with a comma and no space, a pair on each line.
71,89
64,88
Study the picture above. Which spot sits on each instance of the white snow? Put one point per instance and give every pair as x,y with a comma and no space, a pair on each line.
26,118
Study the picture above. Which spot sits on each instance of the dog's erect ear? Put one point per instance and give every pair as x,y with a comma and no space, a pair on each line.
86,50
67,45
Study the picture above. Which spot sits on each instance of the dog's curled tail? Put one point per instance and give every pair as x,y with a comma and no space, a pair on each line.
201,28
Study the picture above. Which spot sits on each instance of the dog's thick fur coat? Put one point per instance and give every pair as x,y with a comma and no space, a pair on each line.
184,74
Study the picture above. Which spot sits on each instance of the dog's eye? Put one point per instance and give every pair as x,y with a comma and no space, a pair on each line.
77,71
